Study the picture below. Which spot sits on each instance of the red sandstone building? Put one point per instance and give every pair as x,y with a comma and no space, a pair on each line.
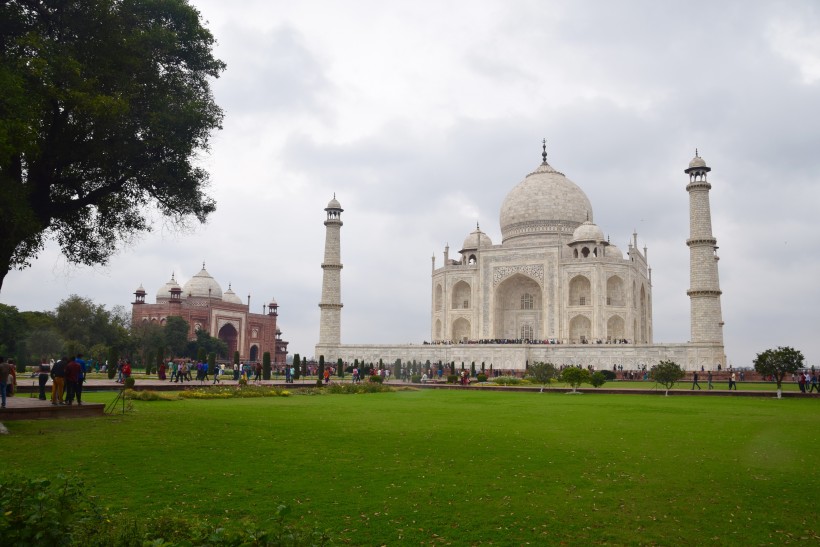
204,306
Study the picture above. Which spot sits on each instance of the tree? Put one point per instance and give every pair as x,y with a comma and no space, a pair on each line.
777,363
176,335
266,365
667,373
297,365
340,367
542,373
105,106
321,373
575,376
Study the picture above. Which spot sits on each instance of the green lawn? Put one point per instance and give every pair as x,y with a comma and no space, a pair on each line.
457,467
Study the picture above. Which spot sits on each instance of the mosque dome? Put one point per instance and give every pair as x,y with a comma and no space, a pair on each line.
476,240
230,296
697,161
587,231
546,204
165,290
612,251
333,204
199,284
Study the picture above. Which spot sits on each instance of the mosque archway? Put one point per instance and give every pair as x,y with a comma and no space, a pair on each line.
461,330
230,336
580,330
580,291
461,296
615,328
518,301
254,352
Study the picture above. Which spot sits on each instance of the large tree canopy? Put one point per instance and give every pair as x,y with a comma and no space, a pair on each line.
104,105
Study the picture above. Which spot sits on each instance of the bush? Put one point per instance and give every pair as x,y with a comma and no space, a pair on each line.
34,511
149,395
452,378
129,382
597,379
481,377
376,379
507,381
608,374
415,378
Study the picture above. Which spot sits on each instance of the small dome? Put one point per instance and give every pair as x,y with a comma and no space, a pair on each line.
165,290
476,240
199,285
334,204
231,296
272,303
587,231
697,161
613,252
140,290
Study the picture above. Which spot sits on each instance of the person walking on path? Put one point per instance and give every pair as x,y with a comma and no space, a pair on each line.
5,374
695,380
58,381
732,383
709,379
814,383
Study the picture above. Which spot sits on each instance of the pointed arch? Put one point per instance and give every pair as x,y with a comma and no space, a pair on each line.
508,315
615,291
580,329
461,296
461,330
615,328
580,291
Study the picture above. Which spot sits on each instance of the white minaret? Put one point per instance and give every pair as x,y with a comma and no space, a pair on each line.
704,286
330,325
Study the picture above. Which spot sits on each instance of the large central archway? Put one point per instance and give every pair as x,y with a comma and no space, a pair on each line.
518,302
230,336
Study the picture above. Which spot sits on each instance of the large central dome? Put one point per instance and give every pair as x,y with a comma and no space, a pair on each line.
543,207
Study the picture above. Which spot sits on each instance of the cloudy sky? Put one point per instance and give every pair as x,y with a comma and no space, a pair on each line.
421,116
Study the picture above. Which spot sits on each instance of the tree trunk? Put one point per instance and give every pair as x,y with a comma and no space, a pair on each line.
779,393
667,393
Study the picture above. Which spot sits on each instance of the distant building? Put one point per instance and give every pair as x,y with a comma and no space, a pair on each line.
554,290
204,306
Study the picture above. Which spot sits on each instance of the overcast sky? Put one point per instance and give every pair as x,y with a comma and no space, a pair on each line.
421,116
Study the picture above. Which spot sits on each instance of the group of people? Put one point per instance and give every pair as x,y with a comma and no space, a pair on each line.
67,377
807,384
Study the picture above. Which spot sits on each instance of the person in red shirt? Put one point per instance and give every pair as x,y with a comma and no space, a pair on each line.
73,375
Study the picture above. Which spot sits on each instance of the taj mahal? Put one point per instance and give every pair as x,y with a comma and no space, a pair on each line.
553,290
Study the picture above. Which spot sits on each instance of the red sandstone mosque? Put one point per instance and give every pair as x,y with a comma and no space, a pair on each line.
204,306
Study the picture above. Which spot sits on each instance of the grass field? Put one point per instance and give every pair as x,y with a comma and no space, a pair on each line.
456,467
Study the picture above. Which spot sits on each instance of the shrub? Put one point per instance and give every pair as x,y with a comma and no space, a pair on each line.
452,378
266,365
415,378
129,382
34,511
597,379
507,380
481,377
149,395
113,359
608,374
376,379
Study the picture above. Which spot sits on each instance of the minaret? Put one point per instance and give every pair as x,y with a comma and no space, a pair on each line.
330,326
704,287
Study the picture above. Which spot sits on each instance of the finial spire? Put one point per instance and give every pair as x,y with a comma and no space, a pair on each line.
544,150
477,229
696,153
203,264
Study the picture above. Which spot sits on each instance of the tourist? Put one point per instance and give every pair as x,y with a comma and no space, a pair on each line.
732,383
119,372
257,373
58,381
216,375
81,379
126,371
814,383
181,373
205,368
5,375
43,371
173,366
424,378
801,381
236,372
695,380
709,379
73,371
